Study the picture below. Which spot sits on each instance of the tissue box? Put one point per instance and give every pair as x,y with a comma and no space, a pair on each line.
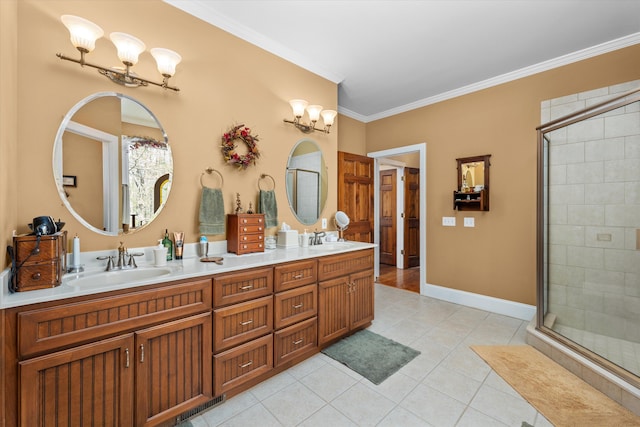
288,238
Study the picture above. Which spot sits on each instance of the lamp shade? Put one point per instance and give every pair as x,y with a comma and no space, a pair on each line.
314,112
166,60
298,106
129,47
83,33
328,116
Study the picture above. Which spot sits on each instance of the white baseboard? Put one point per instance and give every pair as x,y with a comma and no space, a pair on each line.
482,302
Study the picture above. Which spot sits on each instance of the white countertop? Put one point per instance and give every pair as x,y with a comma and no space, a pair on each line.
187,268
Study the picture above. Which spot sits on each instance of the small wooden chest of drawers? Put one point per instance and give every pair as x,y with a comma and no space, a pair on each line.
42,268
245,233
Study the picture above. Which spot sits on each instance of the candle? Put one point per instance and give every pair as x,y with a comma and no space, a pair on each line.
76,251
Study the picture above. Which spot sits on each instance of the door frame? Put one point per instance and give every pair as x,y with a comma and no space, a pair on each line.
378,157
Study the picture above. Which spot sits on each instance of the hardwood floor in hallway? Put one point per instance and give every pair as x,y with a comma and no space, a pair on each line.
408,278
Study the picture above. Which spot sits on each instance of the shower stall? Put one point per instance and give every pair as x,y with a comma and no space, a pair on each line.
588,296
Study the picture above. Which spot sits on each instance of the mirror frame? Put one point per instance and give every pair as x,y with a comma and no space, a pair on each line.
57,166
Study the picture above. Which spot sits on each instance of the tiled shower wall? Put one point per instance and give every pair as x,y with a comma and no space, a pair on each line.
594,214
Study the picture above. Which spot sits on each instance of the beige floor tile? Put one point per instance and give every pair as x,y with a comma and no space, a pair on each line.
230,408
467,362
328,382
453,384
395,388
433,406
327,416
250,417
503,406
293,404
272,385
473,418
363,405
401,417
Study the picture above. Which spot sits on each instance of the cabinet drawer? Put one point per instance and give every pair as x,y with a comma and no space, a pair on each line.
295,341
243,363
333,266
251,238
295,274
295,305
40,275
50,246
242,322
237,287
250,247
249,229
251,220
76,323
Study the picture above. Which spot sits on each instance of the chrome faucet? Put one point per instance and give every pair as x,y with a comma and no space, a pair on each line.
316,239
121,264
121,253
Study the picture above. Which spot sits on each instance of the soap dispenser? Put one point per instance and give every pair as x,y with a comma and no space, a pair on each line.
305,239
160,254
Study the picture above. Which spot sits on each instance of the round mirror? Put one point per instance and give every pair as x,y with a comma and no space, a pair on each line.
342,223
306,181
112,163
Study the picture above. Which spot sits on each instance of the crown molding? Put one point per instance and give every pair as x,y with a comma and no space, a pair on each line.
560,61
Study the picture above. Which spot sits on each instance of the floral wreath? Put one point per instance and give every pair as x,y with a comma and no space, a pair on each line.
231,157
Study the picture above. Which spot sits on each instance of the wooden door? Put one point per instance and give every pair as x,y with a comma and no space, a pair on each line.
173,369
411,217
355,195
388,216
361,295
333,309
83,386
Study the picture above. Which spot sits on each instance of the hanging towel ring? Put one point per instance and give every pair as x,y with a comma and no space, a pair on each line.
210,171
263,176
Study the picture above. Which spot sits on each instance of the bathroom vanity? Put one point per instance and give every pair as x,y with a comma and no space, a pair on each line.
159,349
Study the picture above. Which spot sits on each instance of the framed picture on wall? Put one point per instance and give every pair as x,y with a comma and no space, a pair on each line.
69,181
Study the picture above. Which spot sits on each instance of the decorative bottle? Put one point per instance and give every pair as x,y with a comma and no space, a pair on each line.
167,243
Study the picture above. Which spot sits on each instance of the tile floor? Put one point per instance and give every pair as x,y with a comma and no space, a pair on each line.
446,385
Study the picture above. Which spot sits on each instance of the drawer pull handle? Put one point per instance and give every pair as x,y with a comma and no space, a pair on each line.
298,306
245,365
244,229
141,353
298,276
246,288
248,322
298,342
36,276
126,357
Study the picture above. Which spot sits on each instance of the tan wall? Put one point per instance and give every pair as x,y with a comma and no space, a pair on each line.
223,81
498,256
352,136
8,125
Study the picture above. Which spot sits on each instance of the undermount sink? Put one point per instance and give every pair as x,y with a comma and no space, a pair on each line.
331,246
117,277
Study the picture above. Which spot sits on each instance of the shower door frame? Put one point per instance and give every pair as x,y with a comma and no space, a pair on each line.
542,230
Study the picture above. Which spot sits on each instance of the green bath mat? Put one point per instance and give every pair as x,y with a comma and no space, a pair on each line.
373,356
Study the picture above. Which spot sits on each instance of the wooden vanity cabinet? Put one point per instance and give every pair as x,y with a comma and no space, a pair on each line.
90,361
345,294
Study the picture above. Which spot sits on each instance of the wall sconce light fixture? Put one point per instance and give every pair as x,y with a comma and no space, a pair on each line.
314,111
84,34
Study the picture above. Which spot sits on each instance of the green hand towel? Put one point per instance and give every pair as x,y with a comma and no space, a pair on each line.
269,207
211,211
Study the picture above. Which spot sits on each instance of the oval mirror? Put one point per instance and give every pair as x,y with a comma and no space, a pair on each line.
112,163
306,181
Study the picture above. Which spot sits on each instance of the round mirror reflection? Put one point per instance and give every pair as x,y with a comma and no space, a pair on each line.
306,181
112,163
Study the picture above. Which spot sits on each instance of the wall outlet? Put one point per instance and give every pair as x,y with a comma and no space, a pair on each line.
469,222
324,223
449,221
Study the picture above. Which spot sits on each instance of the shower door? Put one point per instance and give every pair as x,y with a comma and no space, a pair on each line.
589,232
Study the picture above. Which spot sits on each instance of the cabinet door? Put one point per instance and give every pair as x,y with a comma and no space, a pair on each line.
173,369
84,386
333,309
361,303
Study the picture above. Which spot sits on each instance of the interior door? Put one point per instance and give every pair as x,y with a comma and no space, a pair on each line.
355,195
411,217
388,179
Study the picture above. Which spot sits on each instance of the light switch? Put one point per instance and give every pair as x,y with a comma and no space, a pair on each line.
324,223
469,222
449,221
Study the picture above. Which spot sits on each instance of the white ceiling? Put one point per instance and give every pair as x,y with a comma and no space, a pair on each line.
396,55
